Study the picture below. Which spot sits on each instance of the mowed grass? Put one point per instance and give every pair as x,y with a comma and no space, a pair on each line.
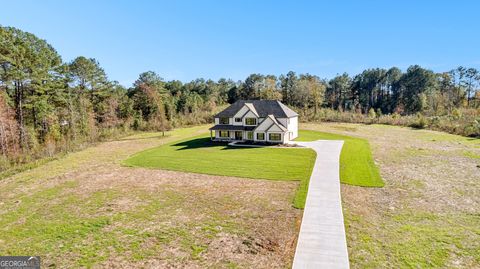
427,214
356,162
84,210
200,155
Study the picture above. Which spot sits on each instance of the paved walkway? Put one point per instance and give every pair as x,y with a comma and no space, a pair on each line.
322,243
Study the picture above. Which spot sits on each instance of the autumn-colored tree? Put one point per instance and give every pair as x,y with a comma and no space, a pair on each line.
27,64
149,101
47,105
9,145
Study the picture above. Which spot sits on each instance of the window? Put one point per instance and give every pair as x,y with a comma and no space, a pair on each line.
250,135
260,136
274,137
238,119
224,121
224,134
250,121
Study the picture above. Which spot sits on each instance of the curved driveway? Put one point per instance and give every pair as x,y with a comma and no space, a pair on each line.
322,243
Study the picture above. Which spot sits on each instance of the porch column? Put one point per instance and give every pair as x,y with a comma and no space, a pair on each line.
211,137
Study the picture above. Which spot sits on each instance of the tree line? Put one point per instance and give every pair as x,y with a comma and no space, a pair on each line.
48,105
384,90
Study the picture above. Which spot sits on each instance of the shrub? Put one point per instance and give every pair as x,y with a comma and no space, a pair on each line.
419,123
460,121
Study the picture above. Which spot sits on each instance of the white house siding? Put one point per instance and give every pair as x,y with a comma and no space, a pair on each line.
245,135
283,121
249,114
282,137
243,113
217,121
236,123
263,126
293,127
287,123
239,114
232,135
275,129
268,126
259,140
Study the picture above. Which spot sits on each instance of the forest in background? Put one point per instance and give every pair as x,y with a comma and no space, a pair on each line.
48,106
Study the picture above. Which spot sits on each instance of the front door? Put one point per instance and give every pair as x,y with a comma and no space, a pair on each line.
238,135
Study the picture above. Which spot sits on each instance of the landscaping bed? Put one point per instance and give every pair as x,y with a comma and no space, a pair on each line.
263,144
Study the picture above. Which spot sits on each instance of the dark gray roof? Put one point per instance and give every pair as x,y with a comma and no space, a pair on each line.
263,107
227,127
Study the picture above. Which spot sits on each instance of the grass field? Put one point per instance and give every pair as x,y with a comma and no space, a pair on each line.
85,210
356,163
428,213
200,155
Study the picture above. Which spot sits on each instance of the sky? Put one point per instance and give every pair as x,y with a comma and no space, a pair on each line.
185,40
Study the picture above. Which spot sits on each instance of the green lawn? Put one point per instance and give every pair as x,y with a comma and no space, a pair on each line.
356,163
199,155
83,210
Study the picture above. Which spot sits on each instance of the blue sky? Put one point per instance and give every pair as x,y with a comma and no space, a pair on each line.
185,40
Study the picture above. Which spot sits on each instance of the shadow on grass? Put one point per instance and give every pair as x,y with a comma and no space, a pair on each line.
203,142
196,143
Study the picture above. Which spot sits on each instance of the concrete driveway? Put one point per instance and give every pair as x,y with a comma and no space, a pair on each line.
322,242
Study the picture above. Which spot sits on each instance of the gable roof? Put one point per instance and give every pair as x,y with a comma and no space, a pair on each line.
275,122
252,108
262,107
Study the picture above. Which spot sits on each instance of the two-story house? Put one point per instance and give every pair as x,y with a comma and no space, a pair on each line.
267,121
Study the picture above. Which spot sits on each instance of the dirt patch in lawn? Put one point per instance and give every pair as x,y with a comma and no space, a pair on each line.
87,210
428,213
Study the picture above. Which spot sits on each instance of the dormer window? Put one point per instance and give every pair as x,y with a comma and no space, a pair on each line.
224,121
238,119
250,121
